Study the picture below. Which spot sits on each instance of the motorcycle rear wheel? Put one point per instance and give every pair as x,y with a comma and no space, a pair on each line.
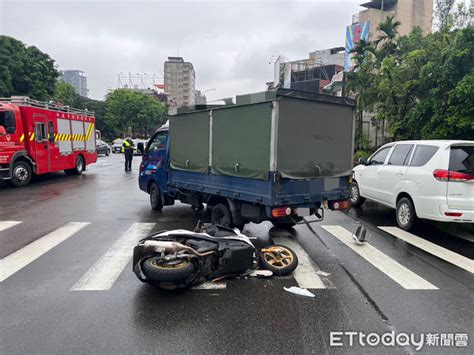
279,259
167,272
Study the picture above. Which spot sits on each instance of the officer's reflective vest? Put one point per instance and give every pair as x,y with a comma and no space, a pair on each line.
126,145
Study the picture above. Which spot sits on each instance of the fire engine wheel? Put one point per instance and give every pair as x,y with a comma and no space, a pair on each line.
21,174
79,167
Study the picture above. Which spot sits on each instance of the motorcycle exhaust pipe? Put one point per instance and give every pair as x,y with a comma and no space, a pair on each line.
171,247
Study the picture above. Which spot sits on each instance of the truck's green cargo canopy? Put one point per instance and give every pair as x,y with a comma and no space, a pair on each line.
189,142
299,134
241,140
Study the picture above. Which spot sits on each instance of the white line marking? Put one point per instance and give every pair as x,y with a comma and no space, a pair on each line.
103,274
211,286
463,235
22,257
8,224
397,272
306,272
457,233
434,249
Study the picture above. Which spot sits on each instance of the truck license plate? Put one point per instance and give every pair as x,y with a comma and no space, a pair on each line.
303,212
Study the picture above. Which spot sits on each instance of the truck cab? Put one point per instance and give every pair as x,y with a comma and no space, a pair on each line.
12,143
153,168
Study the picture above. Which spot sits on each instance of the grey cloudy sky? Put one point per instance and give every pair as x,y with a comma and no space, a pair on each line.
230,43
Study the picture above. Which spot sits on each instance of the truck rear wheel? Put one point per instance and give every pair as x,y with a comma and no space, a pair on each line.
79,167
21,174
221,215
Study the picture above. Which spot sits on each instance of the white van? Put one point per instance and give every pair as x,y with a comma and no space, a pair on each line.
420,179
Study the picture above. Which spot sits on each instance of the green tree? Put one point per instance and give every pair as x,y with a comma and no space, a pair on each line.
64,93
25,71
387,40
422,86
126,108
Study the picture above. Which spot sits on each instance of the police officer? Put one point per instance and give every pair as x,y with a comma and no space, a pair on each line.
127,149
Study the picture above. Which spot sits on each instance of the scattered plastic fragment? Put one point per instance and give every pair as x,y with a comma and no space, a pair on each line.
299,291
261,273
323,273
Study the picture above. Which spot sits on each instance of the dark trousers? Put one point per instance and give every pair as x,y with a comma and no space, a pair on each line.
128,159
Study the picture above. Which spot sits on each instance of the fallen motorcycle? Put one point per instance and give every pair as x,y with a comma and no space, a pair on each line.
180,258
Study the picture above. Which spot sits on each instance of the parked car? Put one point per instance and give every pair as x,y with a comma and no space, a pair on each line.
136,142
431,180
117,146
103,147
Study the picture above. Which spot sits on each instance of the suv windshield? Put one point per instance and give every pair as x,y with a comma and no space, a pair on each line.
7,120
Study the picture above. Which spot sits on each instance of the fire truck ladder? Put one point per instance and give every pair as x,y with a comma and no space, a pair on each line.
26,101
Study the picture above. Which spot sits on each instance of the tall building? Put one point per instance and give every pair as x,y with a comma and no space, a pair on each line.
180,80
410,13
77,79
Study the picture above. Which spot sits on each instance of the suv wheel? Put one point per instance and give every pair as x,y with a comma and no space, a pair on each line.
406,215
356,198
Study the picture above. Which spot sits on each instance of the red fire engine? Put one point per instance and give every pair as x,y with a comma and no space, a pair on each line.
38,138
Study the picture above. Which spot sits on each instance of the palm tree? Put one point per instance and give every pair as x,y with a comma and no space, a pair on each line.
388,36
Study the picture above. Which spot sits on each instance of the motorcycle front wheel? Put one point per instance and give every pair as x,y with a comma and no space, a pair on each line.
173,271
278,259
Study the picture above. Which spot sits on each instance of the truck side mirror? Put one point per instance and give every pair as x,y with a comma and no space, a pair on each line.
3,131
141,147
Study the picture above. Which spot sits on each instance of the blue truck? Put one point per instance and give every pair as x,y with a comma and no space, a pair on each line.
277,155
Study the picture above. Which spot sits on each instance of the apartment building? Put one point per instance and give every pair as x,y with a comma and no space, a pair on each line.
179,80
410,13
77,79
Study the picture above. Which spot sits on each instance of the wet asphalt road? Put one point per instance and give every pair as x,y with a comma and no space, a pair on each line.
40,313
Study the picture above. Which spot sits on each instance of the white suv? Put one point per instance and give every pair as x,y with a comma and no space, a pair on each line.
425,179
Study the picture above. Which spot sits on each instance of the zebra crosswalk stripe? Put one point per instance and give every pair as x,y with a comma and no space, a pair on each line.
397,272
305,274
24,256
103,274
7,224
434,249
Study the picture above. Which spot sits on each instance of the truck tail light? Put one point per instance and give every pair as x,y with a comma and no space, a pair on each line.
448,175
453,214
339,205
281,212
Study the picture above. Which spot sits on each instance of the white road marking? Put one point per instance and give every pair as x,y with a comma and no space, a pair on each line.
22,257
211,286
457,233
463,235
306,272
7,224
103,274
397,272
434,249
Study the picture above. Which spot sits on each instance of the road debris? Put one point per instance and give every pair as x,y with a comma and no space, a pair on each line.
261,273
299,291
